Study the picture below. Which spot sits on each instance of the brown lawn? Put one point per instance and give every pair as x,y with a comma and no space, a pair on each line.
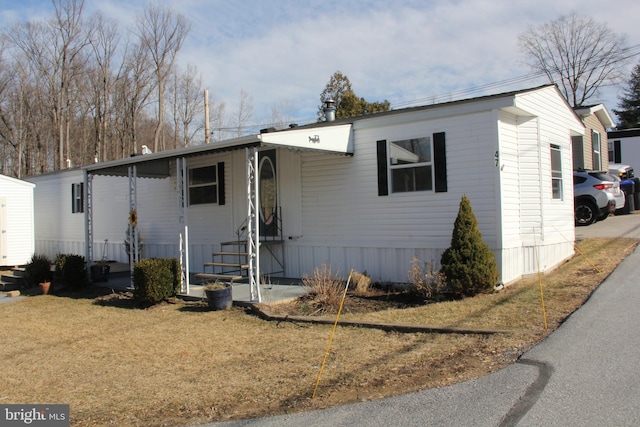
178,363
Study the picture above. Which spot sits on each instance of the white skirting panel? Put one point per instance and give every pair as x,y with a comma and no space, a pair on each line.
382,264
522,261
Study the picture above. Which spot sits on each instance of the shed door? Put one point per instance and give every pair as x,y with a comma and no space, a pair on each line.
3,231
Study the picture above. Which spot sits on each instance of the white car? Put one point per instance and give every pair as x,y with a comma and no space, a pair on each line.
596,195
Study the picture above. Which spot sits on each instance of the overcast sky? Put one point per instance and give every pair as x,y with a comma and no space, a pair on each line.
406,51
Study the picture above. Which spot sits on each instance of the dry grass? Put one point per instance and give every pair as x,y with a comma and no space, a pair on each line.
180,364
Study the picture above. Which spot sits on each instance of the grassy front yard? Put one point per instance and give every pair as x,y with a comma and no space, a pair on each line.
180,364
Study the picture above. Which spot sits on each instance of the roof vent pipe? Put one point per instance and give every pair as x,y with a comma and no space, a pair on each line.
329,110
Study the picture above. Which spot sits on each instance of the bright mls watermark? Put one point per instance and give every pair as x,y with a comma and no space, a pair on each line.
34,415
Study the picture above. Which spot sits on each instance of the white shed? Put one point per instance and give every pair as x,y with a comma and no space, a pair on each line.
16,221
366,193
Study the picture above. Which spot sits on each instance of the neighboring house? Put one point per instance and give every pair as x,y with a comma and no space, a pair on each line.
624,147
367,193
590,151
16,221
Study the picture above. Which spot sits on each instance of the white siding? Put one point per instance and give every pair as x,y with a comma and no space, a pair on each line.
347,225
58,230
546,224
629,151
16,221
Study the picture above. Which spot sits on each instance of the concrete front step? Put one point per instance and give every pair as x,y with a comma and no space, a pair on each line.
12,279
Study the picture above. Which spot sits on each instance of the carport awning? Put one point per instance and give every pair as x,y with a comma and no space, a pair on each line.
334,139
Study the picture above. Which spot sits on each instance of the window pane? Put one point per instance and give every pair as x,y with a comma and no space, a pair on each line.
203,186
199,176
410,151
556,172
556,188
411,179
206,194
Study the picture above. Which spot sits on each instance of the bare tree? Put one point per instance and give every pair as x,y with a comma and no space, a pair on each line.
104,39
132,95
187,106
244,113
577,53
217,119
54,52
282,114
162,32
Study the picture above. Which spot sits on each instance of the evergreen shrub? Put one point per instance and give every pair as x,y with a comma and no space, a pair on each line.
71,270
468,265
154,280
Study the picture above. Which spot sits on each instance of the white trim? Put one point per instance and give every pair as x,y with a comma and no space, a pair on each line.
336,139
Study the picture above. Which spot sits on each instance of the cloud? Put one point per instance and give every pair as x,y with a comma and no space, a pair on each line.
404,51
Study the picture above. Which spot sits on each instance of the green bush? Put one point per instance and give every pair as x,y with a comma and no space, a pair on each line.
38,270
155,280
468,265
71,270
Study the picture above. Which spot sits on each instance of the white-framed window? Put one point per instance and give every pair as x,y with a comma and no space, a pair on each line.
597,157
410,165
556,172
77,197
203,185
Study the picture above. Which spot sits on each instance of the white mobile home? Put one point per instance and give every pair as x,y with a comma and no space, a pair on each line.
624,147
16,221
367,193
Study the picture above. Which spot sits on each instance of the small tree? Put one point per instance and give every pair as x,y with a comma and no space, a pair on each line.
468,265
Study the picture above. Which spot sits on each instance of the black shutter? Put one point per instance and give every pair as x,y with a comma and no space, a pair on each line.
440,162
617,153
383,177
221,200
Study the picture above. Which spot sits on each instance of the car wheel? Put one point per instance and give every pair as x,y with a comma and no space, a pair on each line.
586,212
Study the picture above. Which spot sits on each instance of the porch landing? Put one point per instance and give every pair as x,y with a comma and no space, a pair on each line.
280,289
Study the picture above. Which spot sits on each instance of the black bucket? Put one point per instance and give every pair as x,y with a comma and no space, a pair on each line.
220,299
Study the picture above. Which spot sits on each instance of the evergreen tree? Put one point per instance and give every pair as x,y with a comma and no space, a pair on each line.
347,103
629,105
468,265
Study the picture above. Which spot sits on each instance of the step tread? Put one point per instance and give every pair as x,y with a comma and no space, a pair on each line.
225,264
218,276
234,243
230,254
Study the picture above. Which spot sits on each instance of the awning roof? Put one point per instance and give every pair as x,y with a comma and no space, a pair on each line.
333,139
156,165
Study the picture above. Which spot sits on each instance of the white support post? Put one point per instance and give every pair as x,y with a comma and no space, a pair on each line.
88,217
133,230
183,226
253,224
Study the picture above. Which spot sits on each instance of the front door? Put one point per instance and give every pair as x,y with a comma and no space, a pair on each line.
268,187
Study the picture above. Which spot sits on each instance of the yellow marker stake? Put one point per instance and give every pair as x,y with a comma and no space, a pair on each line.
335,324
544,311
